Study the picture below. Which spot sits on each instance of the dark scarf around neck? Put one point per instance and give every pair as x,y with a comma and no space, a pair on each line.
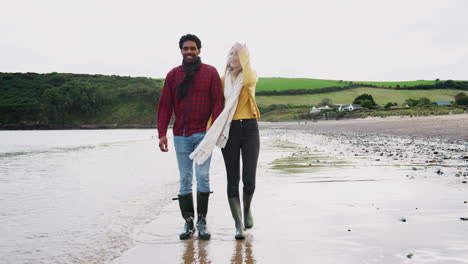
190,69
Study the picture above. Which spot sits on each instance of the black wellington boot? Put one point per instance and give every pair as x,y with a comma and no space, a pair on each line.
248,219
186,208
202,210
234,204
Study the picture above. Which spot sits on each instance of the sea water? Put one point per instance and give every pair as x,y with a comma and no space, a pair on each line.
75,196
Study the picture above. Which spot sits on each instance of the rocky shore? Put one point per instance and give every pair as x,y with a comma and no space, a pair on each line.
450,127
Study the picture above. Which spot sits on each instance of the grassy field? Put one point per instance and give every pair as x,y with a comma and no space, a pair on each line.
381,96
402,84
285,114
279,84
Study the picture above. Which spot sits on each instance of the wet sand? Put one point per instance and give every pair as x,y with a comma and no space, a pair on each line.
326,194
452,127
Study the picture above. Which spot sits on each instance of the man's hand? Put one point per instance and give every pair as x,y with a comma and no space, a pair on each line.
163,144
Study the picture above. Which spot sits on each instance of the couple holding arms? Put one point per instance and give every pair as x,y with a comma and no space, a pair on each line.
211,111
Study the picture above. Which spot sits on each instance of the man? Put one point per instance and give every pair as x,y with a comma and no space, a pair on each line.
192,91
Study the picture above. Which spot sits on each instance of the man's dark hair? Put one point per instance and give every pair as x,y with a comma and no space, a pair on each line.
189,37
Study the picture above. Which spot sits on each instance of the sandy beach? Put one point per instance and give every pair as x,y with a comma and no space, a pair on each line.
381,190
450,127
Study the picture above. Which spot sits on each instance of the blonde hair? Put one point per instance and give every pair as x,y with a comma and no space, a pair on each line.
229,69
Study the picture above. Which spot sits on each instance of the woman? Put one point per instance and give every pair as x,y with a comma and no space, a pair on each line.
236,131
243,137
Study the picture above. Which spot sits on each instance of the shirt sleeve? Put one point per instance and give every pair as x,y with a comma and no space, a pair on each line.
249,75
217,96
165,107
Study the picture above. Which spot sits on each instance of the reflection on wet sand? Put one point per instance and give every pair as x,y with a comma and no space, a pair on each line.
195,252
243,252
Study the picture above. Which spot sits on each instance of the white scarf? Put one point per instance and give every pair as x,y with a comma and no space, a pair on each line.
218,133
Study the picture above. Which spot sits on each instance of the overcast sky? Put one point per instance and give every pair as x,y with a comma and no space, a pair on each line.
325,39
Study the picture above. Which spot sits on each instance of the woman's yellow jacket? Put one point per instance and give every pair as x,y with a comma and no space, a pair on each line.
247,106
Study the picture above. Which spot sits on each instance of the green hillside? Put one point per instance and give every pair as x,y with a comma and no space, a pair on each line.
63,100
401,84
381,96
279,84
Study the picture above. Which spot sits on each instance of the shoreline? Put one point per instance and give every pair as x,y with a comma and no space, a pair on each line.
378,125
448,127
36,126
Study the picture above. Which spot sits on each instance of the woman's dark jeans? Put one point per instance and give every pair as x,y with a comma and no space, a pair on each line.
243,138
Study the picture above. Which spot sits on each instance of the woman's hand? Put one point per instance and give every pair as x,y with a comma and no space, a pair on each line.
238,47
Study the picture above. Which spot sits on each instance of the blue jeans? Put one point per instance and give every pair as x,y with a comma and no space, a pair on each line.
183,147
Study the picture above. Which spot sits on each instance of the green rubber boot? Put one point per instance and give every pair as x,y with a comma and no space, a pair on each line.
186,208
234,204
248,219
202,210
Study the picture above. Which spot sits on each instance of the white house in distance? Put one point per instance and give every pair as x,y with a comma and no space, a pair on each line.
317,109
350,107
340,107
314,110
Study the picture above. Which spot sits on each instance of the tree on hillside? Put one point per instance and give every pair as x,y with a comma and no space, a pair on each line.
325,101
461,99
366,103
424,101
55,105
411,102
418,102
63,98
358,100
390,104
56,79
84,98
449,84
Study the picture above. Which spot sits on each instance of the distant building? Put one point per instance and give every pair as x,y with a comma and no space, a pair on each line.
314,110
319,108
399,106
324,107
350,107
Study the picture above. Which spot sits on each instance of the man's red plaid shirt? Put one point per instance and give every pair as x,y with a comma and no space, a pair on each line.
204,99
